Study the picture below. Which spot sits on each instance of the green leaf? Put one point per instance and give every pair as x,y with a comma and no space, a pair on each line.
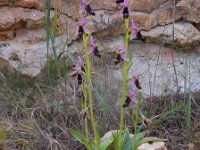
47,22
102,101
126,136
170,111
98,138
60,55
110,138
80,138
104,145
141,135
71,57
128,144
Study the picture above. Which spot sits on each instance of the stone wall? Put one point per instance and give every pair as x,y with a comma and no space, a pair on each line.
22,29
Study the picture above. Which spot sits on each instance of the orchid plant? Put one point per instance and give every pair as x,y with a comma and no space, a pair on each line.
84,32
122,140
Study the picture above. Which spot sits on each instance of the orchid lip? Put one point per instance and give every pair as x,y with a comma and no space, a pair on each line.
89,10
119,1
125,12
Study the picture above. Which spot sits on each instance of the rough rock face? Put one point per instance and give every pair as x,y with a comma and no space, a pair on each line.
22,26
153,146
184,33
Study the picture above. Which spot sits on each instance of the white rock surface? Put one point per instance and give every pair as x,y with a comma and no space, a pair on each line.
153,146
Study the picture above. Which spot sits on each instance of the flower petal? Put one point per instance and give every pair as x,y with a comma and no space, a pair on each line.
133,35
134,26
82,9
92,44
133,96
125,58
74,72
86,30
80,61
122,51
83,21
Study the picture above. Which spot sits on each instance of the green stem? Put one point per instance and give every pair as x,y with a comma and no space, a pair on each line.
88,78
85,107
124,84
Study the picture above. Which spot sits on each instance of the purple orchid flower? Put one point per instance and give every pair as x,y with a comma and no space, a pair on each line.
135,76
125,4
86,8
89,10
79,62
134,30
121,56
83,21
77,71
83,27
132,97
93,48
78,68
92,44
125,9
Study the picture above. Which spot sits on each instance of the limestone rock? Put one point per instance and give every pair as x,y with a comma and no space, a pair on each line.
184,33
57,3
19,18
156,18
4,35
104,5
12,18
184,4
70,8
146,5
8,2
194,12
153,146
109,135
36,4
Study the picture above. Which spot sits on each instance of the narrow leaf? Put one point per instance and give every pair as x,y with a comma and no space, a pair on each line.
80,138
